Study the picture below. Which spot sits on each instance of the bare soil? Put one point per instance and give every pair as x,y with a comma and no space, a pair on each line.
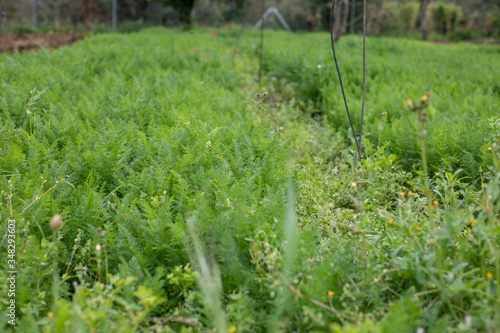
20,42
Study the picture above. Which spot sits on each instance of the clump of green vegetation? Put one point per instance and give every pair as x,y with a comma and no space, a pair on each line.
173,199
465,94
147,139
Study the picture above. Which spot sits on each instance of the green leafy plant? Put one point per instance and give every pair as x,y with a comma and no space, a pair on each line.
154,130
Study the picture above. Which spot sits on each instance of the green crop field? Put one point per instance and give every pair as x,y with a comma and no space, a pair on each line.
148,185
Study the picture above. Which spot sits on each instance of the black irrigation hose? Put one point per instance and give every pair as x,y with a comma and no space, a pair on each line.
340,79
364,80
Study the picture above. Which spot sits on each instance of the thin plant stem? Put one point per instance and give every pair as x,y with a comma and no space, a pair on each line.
75,247
105,249
106,270
183,320
423,151
311,300
10,196
209,279
387,288
291,233
261,43
22,242
426,292
55,278
41,187
38,197
364,81
99,261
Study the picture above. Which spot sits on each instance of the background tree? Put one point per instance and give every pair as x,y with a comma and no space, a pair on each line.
183,7
424,5
338,28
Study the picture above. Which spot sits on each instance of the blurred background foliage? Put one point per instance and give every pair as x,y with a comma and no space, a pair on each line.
455,20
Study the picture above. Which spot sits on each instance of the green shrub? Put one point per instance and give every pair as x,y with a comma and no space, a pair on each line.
466,33
445,16
491,23
409,15
399,18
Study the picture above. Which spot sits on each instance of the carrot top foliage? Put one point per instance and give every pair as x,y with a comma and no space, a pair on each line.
181,211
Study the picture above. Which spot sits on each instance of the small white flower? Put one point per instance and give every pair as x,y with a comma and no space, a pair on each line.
319,66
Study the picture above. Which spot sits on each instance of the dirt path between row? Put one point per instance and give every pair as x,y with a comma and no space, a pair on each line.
19,42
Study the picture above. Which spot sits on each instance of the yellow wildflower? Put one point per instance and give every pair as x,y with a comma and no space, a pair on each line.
473,222
391,221
425,98
489,276
51,314
330,293
232,329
